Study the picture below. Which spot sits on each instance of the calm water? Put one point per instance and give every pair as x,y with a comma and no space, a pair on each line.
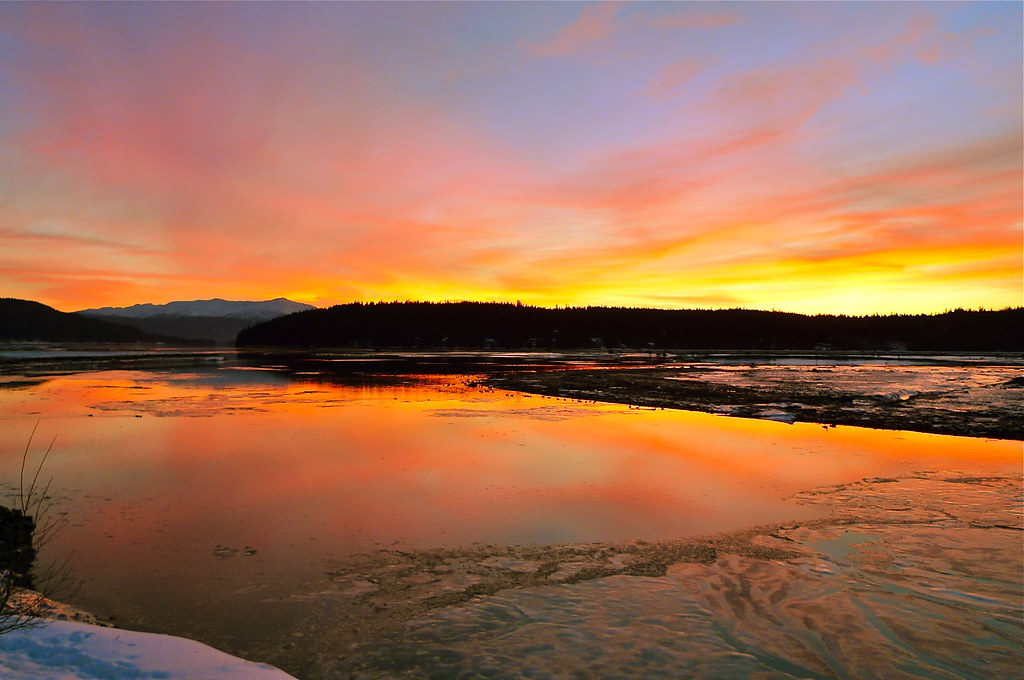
200,499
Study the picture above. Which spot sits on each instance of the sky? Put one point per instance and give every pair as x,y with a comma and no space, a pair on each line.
833,157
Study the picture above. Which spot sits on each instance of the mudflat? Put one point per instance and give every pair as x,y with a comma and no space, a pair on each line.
979,399
911,577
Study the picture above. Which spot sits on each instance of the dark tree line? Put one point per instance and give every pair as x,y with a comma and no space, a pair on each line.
514,326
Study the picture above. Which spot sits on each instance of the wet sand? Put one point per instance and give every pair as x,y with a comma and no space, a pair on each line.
972,400
917,577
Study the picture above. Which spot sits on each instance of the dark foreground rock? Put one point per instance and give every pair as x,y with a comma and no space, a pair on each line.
16,550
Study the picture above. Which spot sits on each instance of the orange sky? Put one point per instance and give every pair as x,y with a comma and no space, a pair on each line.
812,157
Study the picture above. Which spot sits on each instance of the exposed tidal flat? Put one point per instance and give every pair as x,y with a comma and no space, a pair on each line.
900,582
377,516
945,395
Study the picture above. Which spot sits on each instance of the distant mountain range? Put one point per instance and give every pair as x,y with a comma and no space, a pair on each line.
230,309
216,320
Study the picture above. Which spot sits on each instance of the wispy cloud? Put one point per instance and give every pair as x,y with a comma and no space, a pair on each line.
673,77
599,21
689,18
595,23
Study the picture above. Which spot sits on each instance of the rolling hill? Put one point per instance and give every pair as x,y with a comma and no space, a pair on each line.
28,321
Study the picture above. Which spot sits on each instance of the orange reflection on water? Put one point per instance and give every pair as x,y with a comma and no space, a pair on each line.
437,463
158,470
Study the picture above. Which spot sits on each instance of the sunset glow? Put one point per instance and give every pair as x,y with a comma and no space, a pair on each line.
850,157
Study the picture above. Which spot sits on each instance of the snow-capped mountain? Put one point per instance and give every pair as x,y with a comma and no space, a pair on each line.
217,321
232,309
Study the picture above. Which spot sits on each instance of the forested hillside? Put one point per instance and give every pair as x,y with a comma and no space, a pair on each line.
24,320
514,326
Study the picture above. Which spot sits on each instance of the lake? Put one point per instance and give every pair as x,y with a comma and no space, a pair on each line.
216,501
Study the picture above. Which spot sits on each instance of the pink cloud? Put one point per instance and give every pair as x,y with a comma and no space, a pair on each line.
673,77
595,23
925,42
689,19
600,20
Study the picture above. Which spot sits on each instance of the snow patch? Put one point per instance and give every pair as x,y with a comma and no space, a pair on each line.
65,650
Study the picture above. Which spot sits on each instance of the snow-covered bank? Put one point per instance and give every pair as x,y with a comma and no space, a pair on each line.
64,650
